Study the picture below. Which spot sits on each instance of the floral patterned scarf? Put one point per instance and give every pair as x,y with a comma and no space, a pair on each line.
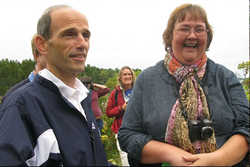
194,101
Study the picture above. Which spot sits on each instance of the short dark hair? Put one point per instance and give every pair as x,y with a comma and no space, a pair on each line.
44,23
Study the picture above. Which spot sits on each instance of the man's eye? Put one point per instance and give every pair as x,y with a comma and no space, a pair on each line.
70,34
86,34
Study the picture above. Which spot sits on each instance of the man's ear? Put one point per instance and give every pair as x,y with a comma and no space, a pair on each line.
41,45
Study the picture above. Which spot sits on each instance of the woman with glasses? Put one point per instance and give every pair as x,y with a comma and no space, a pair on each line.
186,110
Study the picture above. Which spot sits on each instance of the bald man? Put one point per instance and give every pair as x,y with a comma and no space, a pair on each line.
49,121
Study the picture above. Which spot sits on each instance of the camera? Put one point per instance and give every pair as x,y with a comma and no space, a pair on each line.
200,129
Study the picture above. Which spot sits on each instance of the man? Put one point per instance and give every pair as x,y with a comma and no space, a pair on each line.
49,121
40,65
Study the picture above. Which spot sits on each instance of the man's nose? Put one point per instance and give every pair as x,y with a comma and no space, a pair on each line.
82,41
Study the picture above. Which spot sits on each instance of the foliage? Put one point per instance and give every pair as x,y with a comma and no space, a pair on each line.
98,75
12,72
245,67
108,137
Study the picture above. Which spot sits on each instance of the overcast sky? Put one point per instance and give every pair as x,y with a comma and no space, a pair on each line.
129,32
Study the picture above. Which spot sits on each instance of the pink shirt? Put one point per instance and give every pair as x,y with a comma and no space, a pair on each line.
94,104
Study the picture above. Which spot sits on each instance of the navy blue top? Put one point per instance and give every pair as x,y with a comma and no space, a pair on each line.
38,107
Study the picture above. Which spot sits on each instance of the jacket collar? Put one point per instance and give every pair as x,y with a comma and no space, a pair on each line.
79,93
164,74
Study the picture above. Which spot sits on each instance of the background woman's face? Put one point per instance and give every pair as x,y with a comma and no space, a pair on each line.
126,77
188,44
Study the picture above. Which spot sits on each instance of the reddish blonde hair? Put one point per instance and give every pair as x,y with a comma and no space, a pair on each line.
178,15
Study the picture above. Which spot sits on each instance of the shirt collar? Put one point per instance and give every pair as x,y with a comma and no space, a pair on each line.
31,76
79,93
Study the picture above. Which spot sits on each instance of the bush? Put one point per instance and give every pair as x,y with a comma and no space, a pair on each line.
108,137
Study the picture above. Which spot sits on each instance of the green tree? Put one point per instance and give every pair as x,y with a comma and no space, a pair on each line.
26,66
9,74
245,67
12,72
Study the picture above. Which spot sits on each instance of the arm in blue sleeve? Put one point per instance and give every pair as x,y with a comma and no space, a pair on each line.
15,144
240,106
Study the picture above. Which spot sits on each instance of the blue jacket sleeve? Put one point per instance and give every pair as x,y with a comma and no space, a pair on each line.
15,144
240,106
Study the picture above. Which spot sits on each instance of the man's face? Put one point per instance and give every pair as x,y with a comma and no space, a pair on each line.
68,44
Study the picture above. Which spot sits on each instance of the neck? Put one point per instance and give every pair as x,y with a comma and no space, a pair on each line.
36,70
196,62
66,78
126,87
69,81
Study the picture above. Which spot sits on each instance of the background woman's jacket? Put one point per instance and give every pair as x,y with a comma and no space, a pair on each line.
114,108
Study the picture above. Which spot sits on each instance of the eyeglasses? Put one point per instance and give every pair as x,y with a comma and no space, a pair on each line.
199,31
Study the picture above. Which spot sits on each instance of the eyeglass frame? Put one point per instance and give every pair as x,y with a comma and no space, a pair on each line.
186,30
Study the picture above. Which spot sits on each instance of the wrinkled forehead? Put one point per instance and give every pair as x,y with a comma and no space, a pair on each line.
65,17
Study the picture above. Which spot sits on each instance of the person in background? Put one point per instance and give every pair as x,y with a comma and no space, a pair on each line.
117,103
97,91
49,121
187,110
40,61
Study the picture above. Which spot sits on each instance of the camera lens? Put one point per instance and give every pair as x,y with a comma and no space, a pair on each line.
206,132
194,122
194,130
207,122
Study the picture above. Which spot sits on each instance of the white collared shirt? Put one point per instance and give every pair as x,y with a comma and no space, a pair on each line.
74,95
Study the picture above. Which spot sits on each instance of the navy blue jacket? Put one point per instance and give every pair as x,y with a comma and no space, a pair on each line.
38,126
16,86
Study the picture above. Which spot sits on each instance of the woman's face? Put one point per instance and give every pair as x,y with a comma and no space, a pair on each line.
126,77
189,40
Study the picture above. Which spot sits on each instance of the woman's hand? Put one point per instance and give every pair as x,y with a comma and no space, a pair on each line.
158,152
124,106
231,153
203,159
179,158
